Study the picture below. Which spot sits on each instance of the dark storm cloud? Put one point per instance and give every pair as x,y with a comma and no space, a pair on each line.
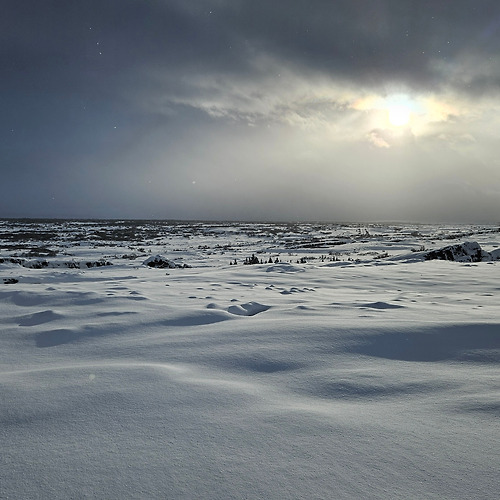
374,40
116,105
52,44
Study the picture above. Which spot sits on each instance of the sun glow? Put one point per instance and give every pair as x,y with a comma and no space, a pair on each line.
399,115
399,109
396,110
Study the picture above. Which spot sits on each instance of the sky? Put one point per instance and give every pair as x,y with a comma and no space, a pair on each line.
340,110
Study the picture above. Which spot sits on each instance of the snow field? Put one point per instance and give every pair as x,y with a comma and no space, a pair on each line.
317,380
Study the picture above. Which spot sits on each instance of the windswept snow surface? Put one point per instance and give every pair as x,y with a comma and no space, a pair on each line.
344,366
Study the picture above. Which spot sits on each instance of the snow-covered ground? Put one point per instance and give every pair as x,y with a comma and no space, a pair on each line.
344,366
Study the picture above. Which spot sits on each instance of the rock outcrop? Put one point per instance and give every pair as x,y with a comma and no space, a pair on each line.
469,251
163,263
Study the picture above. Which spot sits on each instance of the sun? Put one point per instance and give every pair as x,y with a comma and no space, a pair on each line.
399,109
393,111
399,114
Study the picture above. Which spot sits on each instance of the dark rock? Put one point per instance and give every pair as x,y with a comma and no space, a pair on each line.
98,263
469,251
161,262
